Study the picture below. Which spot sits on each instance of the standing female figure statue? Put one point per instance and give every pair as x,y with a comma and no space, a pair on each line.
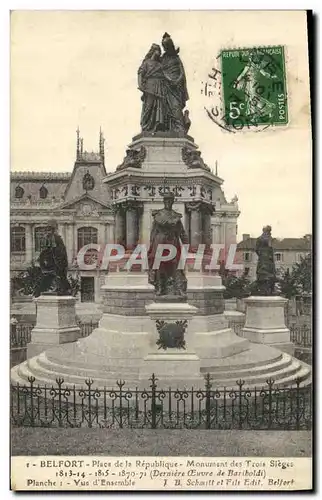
151,84
162,81
176,93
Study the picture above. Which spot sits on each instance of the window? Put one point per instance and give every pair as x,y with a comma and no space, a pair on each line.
279,257
40,233
247,257
87,289
19,192
85,236
43,192
18,239
247,271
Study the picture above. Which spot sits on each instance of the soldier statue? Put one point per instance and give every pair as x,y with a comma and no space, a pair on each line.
265,272
53,264
170,282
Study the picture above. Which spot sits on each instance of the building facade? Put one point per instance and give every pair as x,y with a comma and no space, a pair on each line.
92,206
287,252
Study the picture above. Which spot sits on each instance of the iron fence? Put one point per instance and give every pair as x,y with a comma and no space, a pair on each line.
301,335
60,405
20,333
87,328
20,336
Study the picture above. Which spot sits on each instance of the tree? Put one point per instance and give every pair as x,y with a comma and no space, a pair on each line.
302,275
236,287
28,282
286,284
298,282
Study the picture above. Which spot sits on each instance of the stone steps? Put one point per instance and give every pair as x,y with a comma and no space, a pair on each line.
125,372
285,371
48,378
52,371
253,378
283,361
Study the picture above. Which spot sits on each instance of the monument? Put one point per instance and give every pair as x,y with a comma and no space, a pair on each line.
168,320
265,318
56,318
169,281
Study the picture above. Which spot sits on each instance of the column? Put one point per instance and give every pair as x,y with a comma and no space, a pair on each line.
217,233
70,242
28,243
119,225
61,231
74,241
106,234
101,234
206,219
195,225
131,226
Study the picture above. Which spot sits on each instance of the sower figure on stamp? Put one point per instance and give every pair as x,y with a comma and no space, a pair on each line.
169,281
248,82
54,264
265,272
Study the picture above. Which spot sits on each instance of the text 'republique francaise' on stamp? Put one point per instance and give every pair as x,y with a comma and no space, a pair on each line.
254,91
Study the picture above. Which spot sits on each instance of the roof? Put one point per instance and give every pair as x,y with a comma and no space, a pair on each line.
40,176
90,156
303,244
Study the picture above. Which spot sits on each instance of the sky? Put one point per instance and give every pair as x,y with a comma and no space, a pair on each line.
79,68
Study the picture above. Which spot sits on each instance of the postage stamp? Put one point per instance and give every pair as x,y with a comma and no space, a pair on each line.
254,86
160,291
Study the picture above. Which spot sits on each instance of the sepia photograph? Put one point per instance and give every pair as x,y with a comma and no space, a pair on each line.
161,250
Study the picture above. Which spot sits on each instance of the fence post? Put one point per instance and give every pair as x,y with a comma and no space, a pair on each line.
270,383
59,382
32,417
89,383
153,401
120,384
240,384
208,389
297,404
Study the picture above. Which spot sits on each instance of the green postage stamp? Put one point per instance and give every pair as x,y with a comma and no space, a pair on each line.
254,87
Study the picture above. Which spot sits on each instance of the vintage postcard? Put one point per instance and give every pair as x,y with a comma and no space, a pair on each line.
160,247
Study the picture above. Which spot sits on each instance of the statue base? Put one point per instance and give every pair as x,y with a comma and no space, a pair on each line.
265,322
124,346
56,323
170,363
171,298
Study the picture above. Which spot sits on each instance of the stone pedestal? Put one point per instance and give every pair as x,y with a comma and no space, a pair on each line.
55,323
172,365
265,322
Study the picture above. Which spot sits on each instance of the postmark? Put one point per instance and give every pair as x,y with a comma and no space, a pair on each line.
254,89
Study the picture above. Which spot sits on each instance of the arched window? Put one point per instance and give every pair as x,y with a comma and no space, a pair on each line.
85,236
19,192
18,239
43,192
40,233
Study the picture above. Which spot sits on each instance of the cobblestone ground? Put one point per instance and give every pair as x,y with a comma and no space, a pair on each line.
37,441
